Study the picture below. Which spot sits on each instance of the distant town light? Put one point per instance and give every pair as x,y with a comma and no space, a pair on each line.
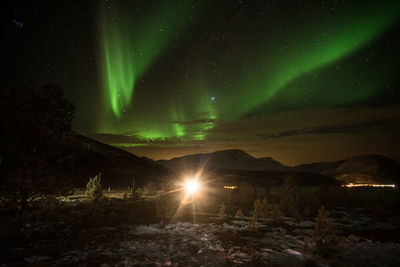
369,185
230,187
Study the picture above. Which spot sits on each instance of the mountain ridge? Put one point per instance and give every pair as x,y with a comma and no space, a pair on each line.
82,157
367,168
229,159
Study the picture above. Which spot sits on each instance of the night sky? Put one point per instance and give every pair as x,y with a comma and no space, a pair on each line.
299,81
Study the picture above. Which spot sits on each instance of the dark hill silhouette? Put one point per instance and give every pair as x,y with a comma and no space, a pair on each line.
234,159
358,169
270,178
238,166
81,157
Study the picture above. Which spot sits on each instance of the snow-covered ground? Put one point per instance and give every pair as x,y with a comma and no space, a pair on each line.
216,243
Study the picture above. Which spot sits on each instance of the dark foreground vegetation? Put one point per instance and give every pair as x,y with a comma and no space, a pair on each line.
280,226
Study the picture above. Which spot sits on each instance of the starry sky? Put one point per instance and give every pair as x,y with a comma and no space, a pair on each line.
299,81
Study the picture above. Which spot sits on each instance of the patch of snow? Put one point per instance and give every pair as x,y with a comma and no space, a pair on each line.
296,253
144,229
301,224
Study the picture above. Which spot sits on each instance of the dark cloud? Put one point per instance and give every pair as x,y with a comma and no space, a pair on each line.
329,129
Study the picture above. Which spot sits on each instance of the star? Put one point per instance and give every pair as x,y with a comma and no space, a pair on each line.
18,23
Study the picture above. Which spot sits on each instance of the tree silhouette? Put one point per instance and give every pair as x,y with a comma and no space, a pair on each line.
290,197
34,121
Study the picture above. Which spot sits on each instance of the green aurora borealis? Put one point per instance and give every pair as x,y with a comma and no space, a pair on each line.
164,78
129,50
125,59
317,49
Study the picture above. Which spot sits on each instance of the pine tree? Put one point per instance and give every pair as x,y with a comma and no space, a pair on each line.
260,208
166,208
93,188
239,214
276,214
290,197
222,210
34,122
264,208
256,213
324,235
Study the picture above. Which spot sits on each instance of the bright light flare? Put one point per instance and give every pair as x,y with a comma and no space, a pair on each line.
192,186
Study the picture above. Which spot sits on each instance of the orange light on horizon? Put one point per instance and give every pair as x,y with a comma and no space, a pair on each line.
230,187
369,185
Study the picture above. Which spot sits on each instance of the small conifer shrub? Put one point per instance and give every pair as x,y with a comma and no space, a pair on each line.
93,188
239,214
327,243
260,209
222,211
276,214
